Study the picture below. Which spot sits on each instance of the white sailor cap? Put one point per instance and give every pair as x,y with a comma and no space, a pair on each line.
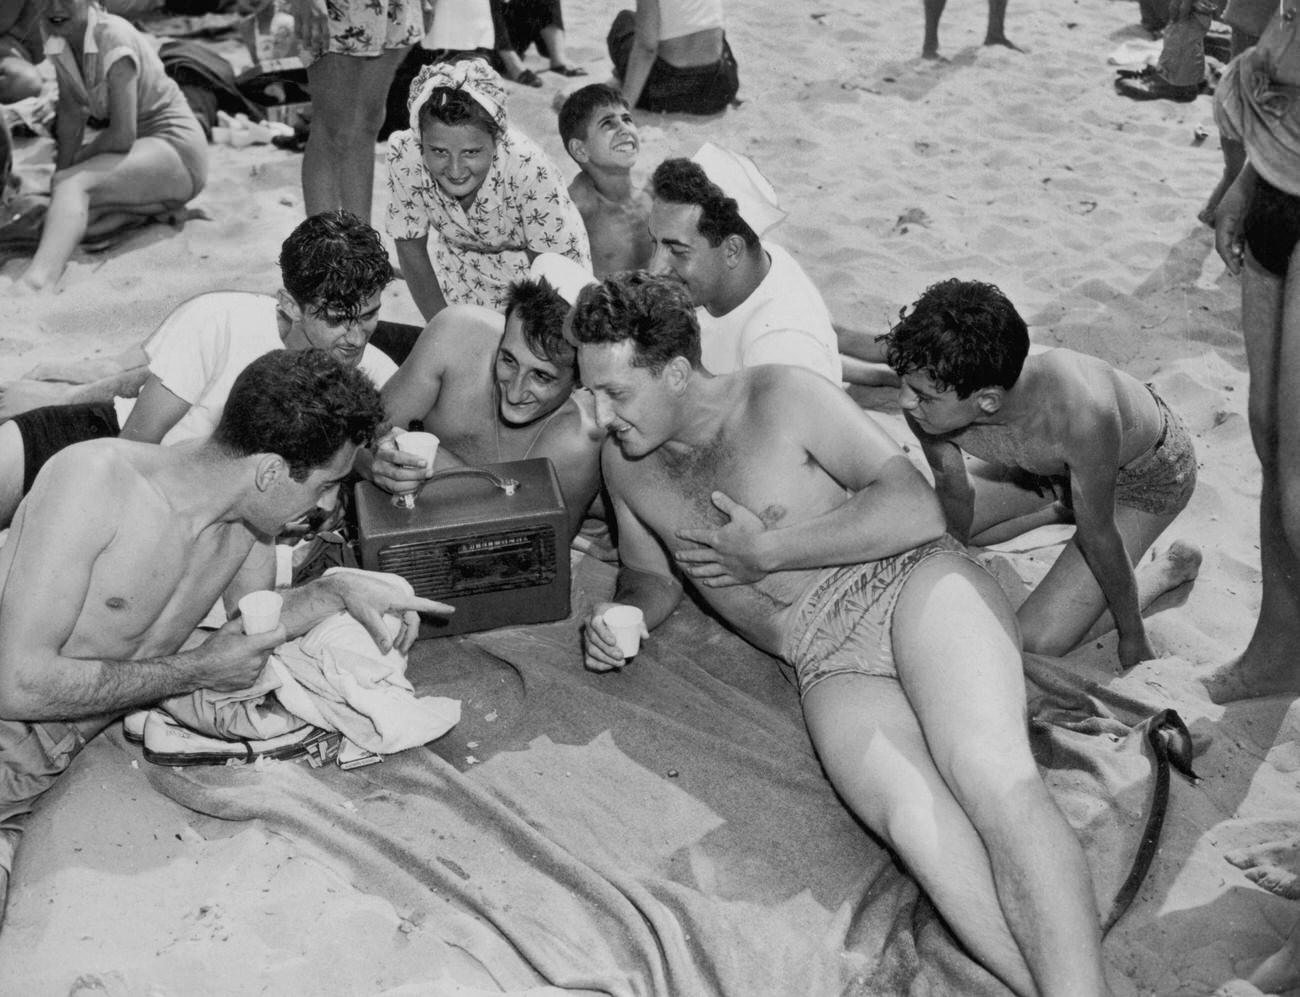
568,278
739,178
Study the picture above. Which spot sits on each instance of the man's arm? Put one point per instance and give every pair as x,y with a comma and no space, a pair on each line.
155,412
573,446
417,269
951,480
1094,463
645,49
67,526
646,579
890,507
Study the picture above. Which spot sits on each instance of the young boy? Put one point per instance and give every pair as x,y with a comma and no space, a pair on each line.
597,130
1057,434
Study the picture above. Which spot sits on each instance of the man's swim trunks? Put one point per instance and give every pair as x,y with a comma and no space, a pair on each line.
843,625
1160,481
46,431
675,89
1272,227
372,27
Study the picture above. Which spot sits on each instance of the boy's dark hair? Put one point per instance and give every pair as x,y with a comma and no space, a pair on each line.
654,312
542,312
455,107
681,181
301,404
581,106
333,263
964,334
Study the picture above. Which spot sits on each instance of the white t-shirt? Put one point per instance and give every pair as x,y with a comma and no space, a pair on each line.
783,321
205,344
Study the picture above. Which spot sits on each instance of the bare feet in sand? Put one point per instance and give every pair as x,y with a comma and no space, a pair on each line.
1266,668
1003,40
1279,972
1240,988
1179,564
1274,865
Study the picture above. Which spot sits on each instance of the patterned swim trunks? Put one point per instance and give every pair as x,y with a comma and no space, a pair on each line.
371,27
842,627
1160,481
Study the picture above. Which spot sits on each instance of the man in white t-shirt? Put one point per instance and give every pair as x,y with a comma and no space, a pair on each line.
754,303
204,344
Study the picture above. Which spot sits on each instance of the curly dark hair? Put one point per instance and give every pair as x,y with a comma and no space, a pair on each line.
681,181
301,404
964,334
333,263
542,312
581,106
453,106
654,312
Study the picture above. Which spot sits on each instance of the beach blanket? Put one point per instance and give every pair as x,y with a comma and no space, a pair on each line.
663,830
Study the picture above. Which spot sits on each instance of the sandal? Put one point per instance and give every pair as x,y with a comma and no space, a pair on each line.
564,70
527,78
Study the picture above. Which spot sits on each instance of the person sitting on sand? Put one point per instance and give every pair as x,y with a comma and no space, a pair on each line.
598,131
495,388
810,533
334,269
150,157
672,56
126,546
21,48
754,304
995,34
1256,234
1275,866
489,196
1059,436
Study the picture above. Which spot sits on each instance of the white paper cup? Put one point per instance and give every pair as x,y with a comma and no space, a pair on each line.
260,611
422,445
626,623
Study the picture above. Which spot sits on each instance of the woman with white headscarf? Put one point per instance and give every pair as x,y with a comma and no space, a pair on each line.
472,201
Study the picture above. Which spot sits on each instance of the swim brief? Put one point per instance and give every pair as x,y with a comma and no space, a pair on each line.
1272,227
1160,481
46,431
842,627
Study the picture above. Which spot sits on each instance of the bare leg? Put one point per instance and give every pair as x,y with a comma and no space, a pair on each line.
149,174
933,11
555,51
940,767
997,30
9,838
1270,312
1068,602
348,98
1280,971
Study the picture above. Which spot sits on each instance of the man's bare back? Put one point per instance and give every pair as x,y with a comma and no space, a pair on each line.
617,230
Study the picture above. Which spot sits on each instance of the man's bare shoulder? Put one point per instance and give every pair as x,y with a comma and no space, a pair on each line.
459,335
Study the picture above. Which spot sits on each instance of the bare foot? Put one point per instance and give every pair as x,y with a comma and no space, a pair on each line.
1254,675
1240,988
1206,215
1003,40
1274,865
1180,563
23,396
932,54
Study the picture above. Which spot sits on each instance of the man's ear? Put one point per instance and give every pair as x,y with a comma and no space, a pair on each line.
270,468
734,247
677,373
989,400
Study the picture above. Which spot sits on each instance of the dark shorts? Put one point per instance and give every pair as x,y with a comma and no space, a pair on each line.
518,24
46,431
671,89
1272,227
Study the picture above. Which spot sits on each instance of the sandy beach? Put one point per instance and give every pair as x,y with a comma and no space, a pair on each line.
1021,168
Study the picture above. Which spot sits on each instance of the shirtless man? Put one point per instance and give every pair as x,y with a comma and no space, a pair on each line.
597,130
1061,435
918,715
494,389
754,303
995,34
123,547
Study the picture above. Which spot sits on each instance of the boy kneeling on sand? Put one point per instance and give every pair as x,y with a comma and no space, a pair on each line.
1057,435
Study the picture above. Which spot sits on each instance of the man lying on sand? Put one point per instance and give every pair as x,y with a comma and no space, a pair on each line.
755,305
810,533
333,267
1060,435
493,389
1275,866
124,547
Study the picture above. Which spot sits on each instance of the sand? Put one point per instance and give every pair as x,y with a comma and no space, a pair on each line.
1023,168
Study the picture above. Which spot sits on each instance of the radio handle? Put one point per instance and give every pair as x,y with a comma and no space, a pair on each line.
507,485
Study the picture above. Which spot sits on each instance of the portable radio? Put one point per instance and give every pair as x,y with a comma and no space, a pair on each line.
492,541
